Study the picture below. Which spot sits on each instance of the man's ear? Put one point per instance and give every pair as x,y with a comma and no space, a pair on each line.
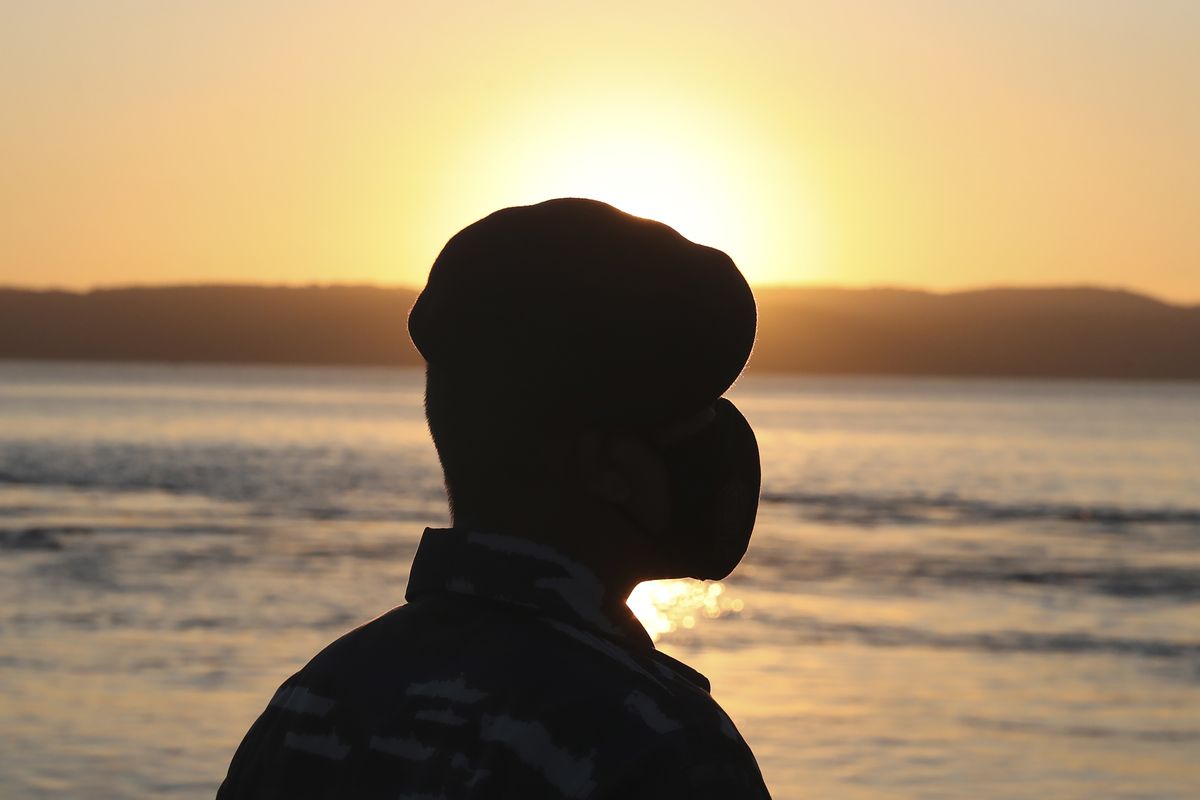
599,475
644,475
626,472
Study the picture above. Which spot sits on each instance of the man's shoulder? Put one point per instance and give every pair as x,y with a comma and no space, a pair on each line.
502,653
517,701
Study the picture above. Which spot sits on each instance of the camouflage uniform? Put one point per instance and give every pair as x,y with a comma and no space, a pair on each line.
509,674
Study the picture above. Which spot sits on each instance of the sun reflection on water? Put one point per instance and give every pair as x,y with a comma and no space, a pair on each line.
666,606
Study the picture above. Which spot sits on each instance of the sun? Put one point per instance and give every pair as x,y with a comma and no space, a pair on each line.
687,166
665,181
704,169
665,606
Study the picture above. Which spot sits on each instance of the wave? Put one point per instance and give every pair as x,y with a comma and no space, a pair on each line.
1165,735
866,509
812,631
312,482
347,482
41,538
835,508
908,572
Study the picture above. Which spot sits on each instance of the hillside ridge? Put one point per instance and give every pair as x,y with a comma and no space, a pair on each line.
1081,332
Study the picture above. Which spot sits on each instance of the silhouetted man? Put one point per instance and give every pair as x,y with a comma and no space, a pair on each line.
576,358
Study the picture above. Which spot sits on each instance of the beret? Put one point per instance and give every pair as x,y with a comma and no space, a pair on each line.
578,309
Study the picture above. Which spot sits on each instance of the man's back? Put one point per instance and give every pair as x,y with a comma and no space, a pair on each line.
576,359
510,673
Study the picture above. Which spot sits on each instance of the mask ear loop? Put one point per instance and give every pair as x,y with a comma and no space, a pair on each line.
681,429
663,438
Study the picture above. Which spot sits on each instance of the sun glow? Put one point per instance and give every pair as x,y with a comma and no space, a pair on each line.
669,182
663,157
668,605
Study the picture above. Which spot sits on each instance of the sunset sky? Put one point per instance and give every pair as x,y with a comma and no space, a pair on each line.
919,143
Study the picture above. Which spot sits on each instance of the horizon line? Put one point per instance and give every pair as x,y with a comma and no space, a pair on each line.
878,287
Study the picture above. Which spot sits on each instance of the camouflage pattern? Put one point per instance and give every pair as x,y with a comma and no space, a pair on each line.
510,673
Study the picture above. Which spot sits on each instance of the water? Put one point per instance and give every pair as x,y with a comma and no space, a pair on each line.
957,588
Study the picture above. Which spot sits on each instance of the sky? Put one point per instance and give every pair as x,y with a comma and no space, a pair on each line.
924,143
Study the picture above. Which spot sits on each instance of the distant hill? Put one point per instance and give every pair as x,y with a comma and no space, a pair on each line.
229,324
1072,332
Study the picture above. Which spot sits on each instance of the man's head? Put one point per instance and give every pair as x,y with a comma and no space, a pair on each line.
575,357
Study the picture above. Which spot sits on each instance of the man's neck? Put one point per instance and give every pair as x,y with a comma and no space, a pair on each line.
606,551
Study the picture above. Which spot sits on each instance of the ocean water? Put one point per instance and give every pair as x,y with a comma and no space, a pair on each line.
985,589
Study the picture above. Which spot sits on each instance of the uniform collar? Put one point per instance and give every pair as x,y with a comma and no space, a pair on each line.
513,570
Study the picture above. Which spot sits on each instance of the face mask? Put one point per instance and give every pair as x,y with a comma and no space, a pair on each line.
715,475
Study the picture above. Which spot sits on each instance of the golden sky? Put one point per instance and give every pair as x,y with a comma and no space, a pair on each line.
922,143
